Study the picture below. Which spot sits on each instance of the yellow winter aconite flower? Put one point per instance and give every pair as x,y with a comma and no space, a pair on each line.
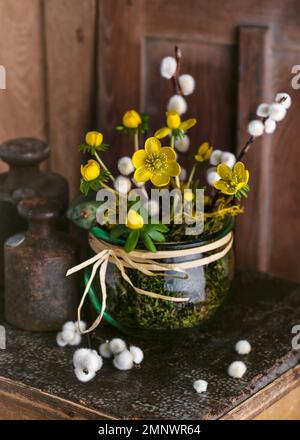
134,220
204,152
90,171
232,181
94,138
156,163
132,119
174,124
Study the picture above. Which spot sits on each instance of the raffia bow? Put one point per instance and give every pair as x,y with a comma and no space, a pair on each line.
146,264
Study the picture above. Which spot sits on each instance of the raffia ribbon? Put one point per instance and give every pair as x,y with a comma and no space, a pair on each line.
145,263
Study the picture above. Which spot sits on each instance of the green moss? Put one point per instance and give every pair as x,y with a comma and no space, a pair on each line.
211,226
133,310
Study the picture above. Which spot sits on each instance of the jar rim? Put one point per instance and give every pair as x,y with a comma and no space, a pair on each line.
98,232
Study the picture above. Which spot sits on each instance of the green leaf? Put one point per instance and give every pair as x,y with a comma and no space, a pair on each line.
82,188
161,228
120,128
156,235
104,176
85,148
147,240
117,231
95,185
132,240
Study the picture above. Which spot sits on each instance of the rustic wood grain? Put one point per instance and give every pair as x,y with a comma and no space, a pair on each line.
120,26
261,309
22,103
205,62
70,28
287,408
267,397
20,401
217,22
252,227
284,190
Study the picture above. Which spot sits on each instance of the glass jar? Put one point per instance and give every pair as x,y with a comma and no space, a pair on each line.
206,287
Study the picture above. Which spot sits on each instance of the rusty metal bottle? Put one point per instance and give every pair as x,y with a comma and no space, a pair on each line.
38,296
23,180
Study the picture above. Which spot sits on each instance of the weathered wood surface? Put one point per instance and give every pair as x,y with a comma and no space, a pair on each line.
287,408
278,393
37,376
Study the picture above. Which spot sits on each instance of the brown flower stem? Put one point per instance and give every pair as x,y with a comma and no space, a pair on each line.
89,341
176,85
136,140
97,338
245,148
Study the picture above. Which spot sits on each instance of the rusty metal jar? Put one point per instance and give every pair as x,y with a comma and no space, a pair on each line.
38,296
23,180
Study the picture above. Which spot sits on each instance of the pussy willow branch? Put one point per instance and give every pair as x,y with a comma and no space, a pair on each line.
178,56
243,152
250,141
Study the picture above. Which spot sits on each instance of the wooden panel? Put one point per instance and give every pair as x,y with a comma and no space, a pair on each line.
72,89
252,227
214,67
22,104
284,224
119,56
209,21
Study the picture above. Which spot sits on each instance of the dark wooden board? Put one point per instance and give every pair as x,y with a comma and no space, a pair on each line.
261,309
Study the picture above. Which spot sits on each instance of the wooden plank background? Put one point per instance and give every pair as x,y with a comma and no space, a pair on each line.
79,64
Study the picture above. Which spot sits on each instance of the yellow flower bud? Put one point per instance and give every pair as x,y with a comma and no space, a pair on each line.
134,220
204,152
90,171
173,119
188,196
132,119
94,138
